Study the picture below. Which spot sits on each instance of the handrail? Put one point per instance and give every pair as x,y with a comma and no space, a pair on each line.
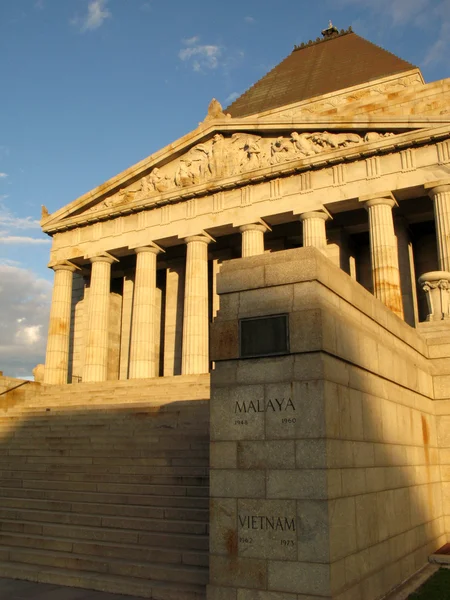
15,387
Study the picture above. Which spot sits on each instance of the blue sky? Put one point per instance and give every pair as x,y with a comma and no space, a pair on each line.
89,87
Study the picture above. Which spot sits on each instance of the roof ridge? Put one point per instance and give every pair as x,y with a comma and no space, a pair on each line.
320,40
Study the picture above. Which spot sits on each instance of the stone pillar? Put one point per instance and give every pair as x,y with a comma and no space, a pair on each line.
125,335
252,239
173,319
96,355
384,253
195,354
314,233
143,329
57,356
439,192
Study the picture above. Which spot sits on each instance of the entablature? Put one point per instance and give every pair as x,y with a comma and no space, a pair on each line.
230,155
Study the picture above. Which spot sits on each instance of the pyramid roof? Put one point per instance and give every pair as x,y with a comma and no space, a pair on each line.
337,61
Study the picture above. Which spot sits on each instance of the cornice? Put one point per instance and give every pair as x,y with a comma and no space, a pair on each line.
349,154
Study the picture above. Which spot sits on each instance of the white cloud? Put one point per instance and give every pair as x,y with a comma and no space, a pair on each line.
191,41
24,311
97,13
200,56
21,239
9,223
3,175
249,19
231,97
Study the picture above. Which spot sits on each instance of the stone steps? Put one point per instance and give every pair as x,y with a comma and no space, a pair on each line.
107,491
123,510
103,582
62,496
154,554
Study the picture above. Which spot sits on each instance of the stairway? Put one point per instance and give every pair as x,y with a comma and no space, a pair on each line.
105,486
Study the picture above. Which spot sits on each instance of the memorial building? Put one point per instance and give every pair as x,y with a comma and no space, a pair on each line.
273,286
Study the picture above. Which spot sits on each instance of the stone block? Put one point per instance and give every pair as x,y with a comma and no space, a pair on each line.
311,454
223,374
313,534
305,330
240,279
308,366
267,529
214,592
224,340
290,272
223,537
238,572
262,370
353,482
266,454
367,517
296,484
342,528
237,413
228,483
243,594
223,455
268,301
228,307
306,419
299,577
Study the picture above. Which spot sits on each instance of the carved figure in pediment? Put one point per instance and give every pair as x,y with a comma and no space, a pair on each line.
304,144
335,140
218,164
155,182
249,150
194,166
44,212
281,150
373,136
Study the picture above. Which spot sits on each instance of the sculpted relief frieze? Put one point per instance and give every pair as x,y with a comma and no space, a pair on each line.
222,157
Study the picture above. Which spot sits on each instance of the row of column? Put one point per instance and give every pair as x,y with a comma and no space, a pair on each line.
195,353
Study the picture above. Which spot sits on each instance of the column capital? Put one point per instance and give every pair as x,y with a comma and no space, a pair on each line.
314,214
382,198
435,187
64,266
254,227
154,248
105,258
200,237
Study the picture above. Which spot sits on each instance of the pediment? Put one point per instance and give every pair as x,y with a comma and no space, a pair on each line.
226,152
396,96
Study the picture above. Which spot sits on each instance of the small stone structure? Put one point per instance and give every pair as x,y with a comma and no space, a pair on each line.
325,456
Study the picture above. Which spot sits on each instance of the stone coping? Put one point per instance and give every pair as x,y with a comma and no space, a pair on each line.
309,264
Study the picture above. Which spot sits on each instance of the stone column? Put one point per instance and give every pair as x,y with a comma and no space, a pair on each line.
384,253
125,334
439,192
195,353
143,329
314,233
57,355
173,321
96,354
252,239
